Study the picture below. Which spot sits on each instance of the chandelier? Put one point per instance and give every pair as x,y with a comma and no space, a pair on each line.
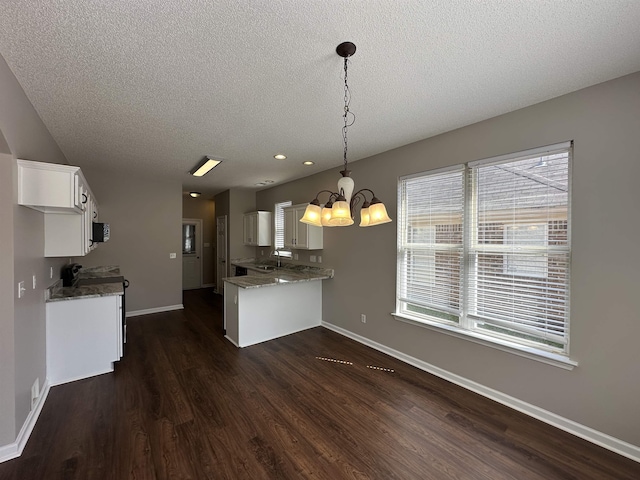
338,211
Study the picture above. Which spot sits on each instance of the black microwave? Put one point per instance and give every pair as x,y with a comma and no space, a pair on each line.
100,232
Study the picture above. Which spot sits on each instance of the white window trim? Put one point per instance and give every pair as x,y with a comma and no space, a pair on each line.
532,353
281,251
536,353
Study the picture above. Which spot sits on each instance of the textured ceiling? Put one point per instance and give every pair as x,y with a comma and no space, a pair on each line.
156,85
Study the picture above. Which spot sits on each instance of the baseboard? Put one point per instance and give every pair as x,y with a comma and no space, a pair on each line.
147,311
208,285
602,439
14,450
82,377
229,338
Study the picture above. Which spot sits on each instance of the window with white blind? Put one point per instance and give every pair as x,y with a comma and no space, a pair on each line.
278,219
485,248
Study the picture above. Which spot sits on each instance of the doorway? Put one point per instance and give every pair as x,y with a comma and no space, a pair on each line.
191,253
222,254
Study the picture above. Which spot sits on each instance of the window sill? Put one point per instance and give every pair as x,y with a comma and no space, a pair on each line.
555,359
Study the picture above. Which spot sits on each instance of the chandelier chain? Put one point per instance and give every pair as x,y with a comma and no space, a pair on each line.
347,101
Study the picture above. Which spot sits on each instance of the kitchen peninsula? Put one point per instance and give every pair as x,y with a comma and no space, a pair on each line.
281,301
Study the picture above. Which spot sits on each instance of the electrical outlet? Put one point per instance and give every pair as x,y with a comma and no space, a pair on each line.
262,253
50,272
319,258
21,289
172,255
363,318
295,256
312,258
34,282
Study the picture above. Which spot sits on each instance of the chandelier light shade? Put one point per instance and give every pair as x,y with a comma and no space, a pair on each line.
313,214
340,213
339,209
364,215
378,213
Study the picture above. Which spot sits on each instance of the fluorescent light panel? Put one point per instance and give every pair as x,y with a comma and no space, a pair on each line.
205,166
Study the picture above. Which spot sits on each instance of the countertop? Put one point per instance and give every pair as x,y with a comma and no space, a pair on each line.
57,292
287,273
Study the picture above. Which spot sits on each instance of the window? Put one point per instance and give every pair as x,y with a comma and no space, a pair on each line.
531,234
484,248
188,239
278,229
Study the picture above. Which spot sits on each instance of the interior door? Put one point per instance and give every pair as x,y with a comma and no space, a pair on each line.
222,254
191,253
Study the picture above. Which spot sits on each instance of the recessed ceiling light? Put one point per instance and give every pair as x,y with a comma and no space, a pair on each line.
308,162
268,181
195,194
279,156
260,184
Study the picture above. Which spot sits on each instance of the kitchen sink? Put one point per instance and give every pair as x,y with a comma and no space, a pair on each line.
266,268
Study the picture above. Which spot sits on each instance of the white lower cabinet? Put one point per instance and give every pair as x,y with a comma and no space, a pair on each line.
84,337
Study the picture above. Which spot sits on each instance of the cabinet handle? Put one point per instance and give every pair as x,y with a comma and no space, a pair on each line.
84,198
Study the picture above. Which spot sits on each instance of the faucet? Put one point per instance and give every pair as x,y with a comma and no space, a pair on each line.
276,253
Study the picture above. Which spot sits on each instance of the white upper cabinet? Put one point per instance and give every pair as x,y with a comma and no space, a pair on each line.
257,229
298,235
49,187
62,193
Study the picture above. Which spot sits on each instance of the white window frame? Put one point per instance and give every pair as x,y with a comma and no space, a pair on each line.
278,226
466,327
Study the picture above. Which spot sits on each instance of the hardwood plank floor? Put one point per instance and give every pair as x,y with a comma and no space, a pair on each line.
185,403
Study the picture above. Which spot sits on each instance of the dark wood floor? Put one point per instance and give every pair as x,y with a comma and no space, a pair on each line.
185,403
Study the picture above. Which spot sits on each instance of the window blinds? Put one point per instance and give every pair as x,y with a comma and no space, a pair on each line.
431,243
518,278
486,246
279,224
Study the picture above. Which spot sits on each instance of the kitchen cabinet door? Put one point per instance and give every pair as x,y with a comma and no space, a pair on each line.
298,235
290,228
83,337
257,229
49,187
63,195
70,235
250,225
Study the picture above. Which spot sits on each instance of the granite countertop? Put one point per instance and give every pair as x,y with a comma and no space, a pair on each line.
287,273
57,292
100,272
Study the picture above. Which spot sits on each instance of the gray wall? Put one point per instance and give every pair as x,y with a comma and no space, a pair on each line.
7,359
604,121
145,217
204,209
22,321
235,203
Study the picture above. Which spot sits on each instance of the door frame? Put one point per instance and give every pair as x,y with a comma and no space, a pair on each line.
225,254
199,242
